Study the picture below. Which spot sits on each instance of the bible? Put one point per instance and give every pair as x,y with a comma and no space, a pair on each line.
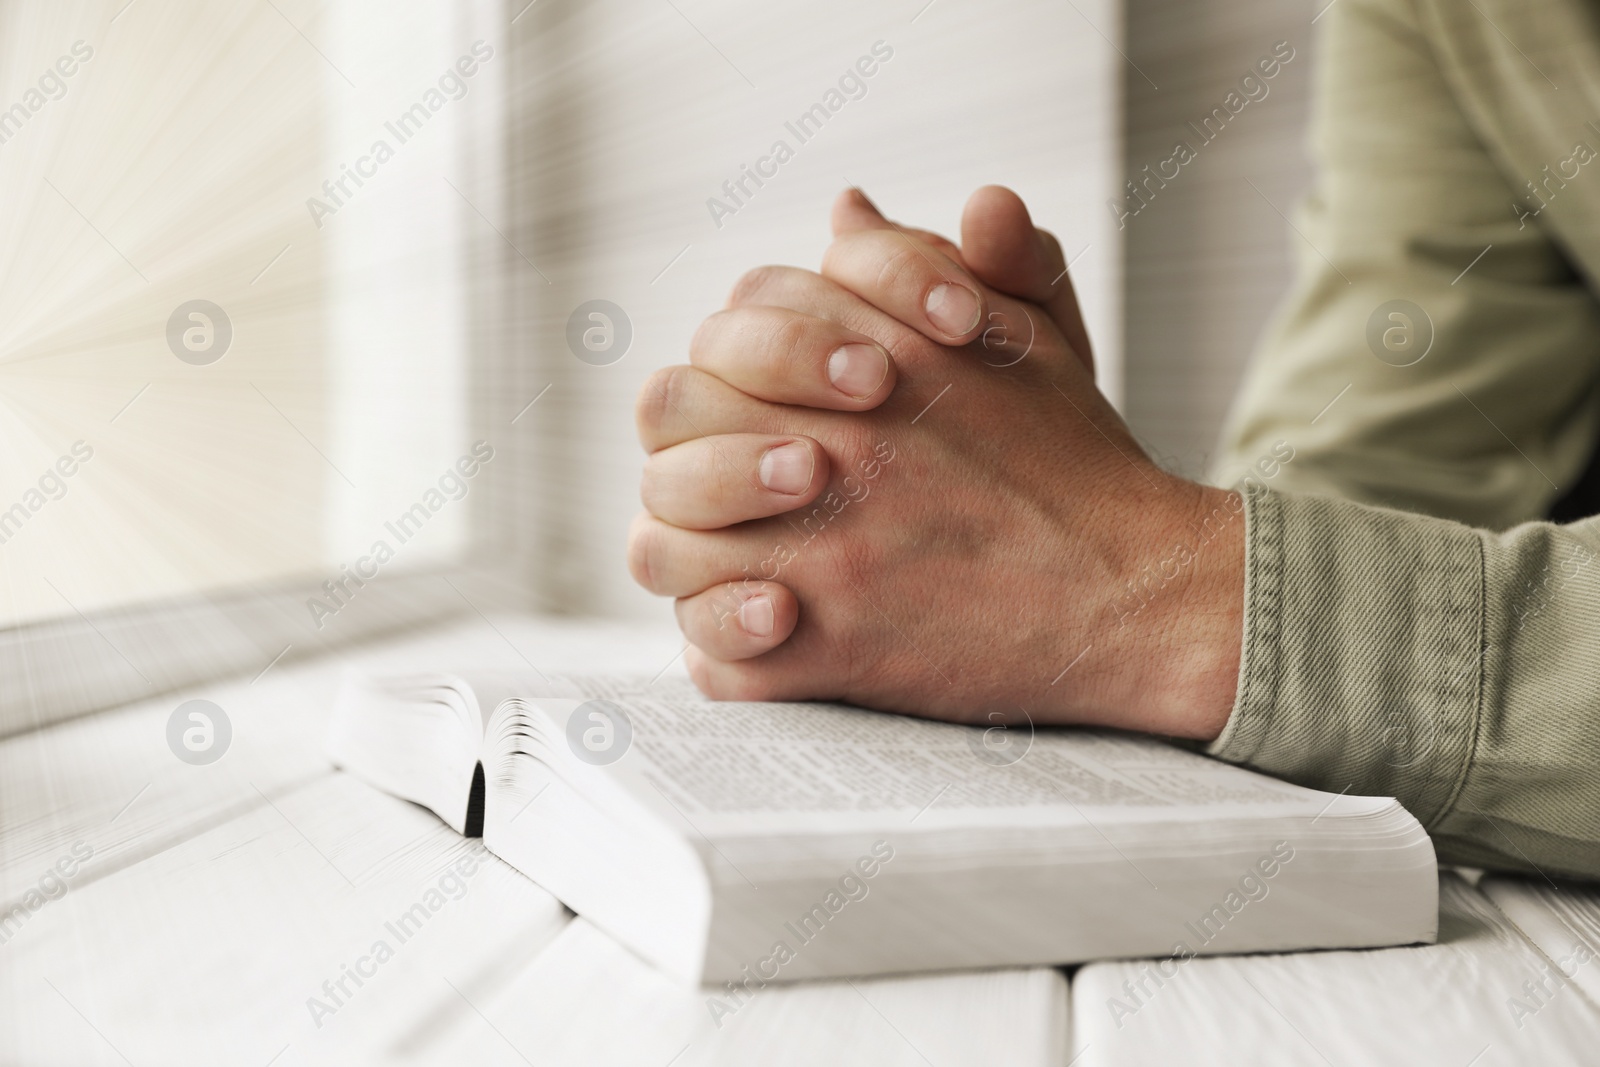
748,843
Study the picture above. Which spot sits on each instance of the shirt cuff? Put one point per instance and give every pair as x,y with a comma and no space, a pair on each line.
1362,659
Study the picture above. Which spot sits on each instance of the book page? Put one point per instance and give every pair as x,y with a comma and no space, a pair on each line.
744,765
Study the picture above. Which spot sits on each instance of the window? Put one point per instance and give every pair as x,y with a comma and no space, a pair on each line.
237,299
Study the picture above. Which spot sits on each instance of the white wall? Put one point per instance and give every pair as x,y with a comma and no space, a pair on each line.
1209,257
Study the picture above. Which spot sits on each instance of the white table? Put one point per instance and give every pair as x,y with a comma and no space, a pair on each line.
218,900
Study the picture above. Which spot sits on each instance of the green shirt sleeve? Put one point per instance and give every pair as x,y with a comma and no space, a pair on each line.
1498,408
1394,654
1447,653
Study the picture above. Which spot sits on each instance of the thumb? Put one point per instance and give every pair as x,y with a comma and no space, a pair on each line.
1005,251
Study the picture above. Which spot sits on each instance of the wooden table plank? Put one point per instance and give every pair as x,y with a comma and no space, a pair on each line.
1427,1004
214,908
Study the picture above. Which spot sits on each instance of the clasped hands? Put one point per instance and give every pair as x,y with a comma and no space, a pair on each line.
894,483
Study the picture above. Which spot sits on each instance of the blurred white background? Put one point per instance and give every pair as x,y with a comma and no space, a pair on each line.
554,153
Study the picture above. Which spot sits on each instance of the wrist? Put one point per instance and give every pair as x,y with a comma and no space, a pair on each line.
1175,622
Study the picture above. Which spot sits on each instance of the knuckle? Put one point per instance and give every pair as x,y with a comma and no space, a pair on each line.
901,267
643,553
754,284
723,492
706,336
658,399
790,338
650,487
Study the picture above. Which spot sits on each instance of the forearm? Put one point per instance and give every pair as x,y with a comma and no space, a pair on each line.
1387,653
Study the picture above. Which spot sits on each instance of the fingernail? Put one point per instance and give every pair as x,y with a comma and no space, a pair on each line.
857,370
787,469
953,308
755,616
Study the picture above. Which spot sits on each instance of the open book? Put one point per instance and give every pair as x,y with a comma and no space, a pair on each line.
767,842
